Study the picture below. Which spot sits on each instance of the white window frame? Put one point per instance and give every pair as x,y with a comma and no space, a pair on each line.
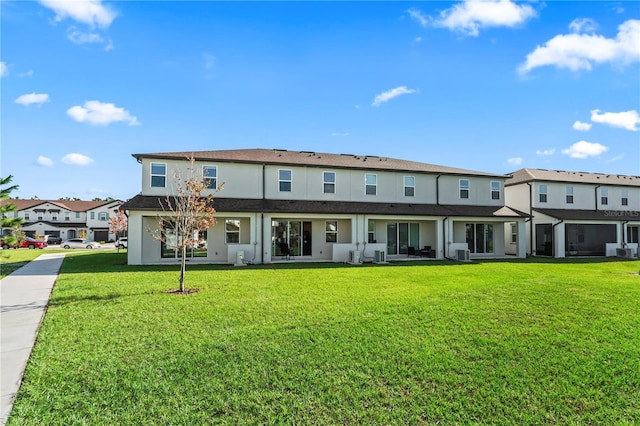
152,175
462,188
92,215
26,216
411,187
604,196
67,217
40,216
212,181
327,184
542,187
77,215
103,216
371,231
624,197
495,189
373,185
228,232
569,194
331,235
281,180
514,233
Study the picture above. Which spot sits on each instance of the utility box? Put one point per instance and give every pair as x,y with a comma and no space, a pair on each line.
379,256
239,258
354,257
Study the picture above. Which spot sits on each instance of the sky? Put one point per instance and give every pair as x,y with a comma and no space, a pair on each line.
492,86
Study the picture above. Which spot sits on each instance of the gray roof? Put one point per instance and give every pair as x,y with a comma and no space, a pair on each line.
529,175
154,203
317,159
594,215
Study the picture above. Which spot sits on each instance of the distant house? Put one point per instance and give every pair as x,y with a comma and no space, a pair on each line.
65,219
577,213
310,206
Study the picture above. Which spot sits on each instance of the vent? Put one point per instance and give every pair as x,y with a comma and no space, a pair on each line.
462,255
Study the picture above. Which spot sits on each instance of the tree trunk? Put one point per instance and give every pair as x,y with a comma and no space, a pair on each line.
183,267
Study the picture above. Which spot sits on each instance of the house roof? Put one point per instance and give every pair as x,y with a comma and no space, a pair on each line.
593,215
529,175
314,159
154,203
73,205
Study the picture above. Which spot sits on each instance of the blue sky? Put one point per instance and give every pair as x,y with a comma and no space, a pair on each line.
492,86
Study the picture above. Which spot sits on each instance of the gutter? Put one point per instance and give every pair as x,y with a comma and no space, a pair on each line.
262,216
444,239
596,195
530,218
624,242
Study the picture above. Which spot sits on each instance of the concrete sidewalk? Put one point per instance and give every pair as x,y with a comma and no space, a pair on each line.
24,296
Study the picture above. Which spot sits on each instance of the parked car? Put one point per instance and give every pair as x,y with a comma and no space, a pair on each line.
81,243
30,243
122,243
52,239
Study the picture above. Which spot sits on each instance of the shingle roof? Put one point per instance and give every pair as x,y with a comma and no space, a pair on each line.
74,205
602,215
529,175
153,203
307,158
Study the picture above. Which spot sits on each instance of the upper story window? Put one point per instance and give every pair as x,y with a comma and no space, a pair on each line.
158,175
54,217
331,231
371,184
624,200
92,215
569,192
409,186
77,215
67,217
464,188
495,190
210,173
329,181
232,231
103,216
604,196
284,180
542,193
26,216
40,216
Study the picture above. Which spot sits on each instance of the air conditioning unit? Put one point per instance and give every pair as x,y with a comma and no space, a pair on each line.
462,255
354,257
239,258
379,256
624,252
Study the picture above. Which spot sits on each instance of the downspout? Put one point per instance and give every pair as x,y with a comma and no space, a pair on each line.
444,239
530,218
596,195
624,234
262,245
438,190
553,236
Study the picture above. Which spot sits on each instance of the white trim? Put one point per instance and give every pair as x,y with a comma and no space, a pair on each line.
284,180
375,185
151,175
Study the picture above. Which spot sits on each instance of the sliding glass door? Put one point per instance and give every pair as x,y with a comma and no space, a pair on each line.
401,236
479,237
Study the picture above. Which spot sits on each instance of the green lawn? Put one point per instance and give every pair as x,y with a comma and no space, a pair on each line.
12,259
523,342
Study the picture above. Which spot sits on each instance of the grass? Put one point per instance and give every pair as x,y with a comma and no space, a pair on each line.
10,260
524,342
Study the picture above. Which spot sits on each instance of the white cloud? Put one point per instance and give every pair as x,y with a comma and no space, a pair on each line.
109,47
584,149
90,12
79,37
4,70
26,74
418,39
471,15
100,113
76,159
626,120
583,25
390,94
32,98
546,151
583,127
44,161
339,135
581,51
416,15
515,161
616,158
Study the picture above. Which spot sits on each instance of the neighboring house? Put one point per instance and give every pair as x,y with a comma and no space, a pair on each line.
577,213
279,204
65,219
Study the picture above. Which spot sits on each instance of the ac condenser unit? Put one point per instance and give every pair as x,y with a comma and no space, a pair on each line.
624,252
462,255
239,258
378,256
354,256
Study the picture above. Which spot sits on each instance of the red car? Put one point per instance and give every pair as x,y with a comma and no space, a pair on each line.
29,243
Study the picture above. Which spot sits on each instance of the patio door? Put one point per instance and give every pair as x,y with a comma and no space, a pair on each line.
544,239
401,236
292,234
480,237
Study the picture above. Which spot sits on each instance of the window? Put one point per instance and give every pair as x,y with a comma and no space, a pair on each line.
77,215
26,216
92,215
371,234
480,237
103,216
604,199
464,188
331,231
169,245
210,173
624,197
329,180
514,233
284,180
54,217
158,175
40,216
232,231
542,193
569,192
409,186
370,183
15,214
67,217
495,190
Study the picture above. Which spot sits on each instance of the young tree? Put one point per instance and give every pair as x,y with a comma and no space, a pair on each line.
118,225
6,208
186,214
